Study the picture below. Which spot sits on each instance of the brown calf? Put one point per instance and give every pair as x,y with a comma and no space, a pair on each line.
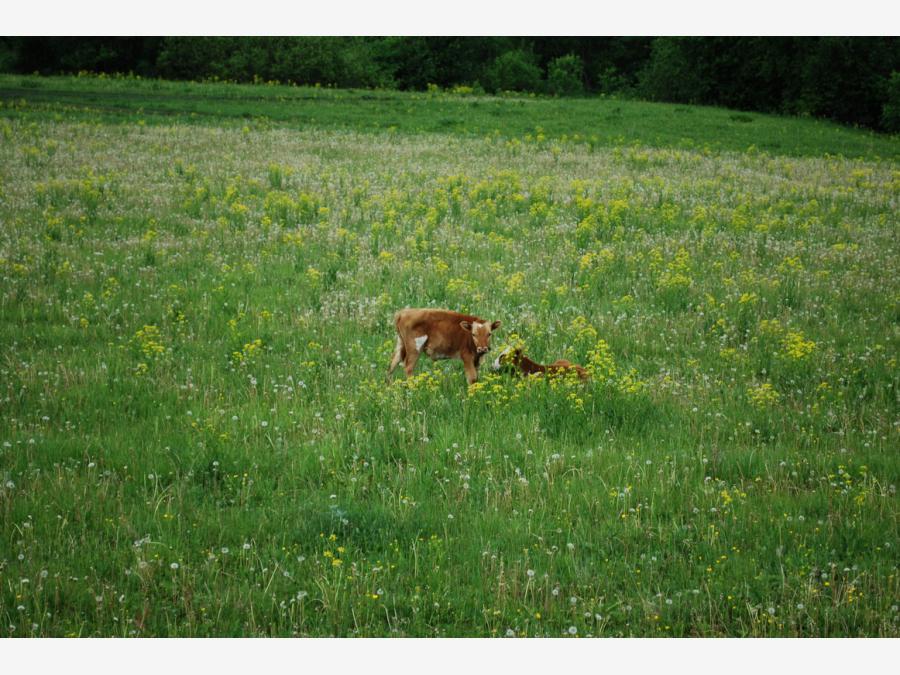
529,367
441,334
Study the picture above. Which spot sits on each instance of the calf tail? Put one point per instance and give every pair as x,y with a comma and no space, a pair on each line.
399,355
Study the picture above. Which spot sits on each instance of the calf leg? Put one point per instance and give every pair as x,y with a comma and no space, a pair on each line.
470,368
412,355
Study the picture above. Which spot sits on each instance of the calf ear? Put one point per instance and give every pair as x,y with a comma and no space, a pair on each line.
466,325
495,325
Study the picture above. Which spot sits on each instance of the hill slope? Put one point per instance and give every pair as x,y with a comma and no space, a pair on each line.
597,121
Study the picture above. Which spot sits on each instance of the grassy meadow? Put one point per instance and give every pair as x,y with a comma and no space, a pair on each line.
197,289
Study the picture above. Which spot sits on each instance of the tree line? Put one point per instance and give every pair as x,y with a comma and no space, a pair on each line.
852,80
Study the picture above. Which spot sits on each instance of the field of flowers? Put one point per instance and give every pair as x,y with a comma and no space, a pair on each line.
196,436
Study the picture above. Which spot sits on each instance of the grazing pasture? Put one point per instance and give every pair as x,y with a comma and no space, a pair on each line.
197,300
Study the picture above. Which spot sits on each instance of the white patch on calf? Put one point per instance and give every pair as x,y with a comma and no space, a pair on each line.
496,365
420,341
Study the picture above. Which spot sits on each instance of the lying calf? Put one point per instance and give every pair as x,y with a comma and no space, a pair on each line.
529,367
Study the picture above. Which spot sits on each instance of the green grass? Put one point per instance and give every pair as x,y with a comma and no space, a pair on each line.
196,313
597,122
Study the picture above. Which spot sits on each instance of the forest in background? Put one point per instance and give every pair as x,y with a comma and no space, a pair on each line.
852,80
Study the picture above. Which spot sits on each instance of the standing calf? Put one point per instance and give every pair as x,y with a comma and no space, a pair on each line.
441,334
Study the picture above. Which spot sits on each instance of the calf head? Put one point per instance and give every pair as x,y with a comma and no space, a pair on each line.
509,357
481,334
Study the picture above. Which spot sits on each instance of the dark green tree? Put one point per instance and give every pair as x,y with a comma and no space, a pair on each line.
514,70
565,76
